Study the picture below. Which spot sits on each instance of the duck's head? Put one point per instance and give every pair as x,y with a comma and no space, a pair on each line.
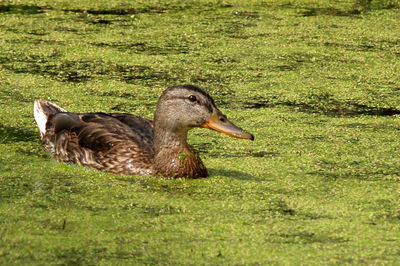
183,107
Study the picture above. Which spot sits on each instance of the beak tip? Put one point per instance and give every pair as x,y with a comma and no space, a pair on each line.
244,135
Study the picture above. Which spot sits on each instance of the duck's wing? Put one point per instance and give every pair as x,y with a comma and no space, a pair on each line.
141,126
102,141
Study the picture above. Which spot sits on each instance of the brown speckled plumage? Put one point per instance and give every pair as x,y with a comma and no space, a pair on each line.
128,144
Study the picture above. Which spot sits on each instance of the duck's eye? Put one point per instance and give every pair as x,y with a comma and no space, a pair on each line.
192,98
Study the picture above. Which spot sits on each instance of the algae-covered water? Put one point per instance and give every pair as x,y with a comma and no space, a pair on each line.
316,82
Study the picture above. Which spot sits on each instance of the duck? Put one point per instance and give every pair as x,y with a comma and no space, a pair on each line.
121,143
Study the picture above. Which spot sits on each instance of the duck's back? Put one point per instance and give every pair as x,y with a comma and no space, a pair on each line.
117,143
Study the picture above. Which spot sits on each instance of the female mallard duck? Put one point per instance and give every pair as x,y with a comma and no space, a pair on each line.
128,144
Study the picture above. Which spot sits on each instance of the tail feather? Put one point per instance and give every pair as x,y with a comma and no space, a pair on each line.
42,110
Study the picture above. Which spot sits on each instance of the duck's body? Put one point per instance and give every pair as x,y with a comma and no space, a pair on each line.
128,144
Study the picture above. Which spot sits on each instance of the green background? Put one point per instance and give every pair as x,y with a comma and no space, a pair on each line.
316,82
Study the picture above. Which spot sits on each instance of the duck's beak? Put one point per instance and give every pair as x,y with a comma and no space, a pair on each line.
219,122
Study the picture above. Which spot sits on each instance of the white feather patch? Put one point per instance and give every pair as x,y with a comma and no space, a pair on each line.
40,117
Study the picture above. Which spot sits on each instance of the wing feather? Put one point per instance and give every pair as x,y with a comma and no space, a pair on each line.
118,143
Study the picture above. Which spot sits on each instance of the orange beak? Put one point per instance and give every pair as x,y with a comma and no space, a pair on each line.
220,123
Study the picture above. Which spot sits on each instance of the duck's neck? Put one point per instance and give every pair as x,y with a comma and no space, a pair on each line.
166,139
174,157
